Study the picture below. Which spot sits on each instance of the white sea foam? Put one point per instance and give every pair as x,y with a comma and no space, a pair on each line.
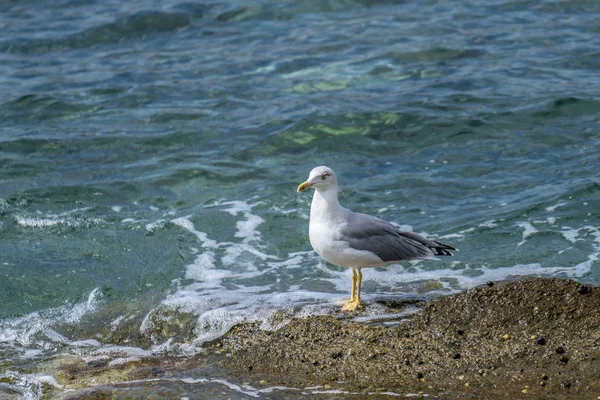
188,225
528,230
115,323
4,204
452,236
28,385
70,218
377,313
251,391
24,330
153,226
39,222
203,269
554,207
488,224
570,234
584,266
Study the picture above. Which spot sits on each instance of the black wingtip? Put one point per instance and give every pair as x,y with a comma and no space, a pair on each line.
442,252
444,249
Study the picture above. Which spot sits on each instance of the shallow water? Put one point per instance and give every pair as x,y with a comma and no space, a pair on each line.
150,153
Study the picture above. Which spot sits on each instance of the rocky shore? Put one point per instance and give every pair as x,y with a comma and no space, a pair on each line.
527,338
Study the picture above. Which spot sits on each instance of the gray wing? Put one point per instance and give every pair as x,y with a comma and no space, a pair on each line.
364,232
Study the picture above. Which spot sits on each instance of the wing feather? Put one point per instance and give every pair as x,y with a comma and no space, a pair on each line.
364,232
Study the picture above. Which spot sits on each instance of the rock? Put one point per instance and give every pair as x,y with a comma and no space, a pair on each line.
541,341
452,348
564,359
435,351
582,289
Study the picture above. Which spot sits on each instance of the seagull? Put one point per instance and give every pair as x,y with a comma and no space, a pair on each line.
353,240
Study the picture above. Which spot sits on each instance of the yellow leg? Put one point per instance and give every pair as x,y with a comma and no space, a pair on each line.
359,285
355,298
354,278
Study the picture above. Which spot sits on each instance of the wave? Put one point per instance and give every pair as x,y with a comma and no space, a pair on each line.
128,28
240,278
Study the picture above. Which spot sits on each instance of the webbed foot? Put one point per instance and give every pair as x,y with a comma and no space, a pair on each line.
351,305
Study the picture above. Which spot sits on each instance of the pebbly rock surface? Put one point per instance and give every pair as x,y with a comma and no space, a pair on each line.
532,338
529,338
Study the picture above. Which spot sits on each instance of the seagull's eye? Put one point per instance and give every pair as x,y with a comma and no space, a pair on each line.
325,175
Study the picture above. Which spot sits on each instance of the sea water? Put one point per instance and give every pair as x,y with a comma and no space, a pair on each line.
150,154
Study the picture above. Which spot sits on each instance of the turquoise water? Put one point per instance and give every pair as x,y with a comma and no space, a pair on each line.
150,154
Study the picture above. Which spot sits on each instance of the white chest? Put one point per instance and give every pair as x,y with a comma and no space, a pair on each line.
323,238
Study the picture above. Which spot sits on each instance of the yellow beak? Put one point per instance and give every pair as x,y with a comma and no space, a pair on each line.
304,186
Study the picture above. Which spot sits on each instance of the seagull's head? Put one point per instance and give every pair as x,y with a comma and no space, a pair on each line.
321,178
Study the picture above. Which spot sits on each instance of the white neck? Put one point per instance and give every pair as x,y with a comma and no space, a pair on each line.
325,204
